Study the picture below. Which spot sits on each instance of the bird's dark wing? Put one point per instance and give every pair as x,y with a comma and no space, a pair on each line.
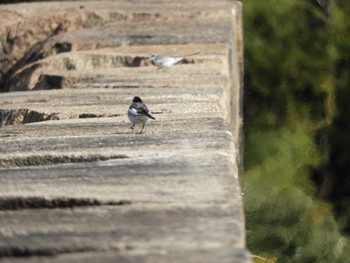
143,110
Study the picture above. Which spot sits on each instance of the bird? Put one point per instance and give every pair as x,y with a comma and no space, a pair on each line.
164,61
138,113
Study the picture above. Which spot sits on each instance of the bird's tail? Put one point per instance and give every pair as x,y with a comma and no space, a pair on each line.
150,116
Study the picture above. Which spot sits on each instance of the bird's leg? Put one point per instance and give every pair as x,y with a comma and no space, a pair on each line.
132,127
143,126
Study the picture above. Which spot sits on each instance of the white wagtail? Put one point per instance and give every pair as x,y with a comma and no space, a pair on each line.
138,113
163,61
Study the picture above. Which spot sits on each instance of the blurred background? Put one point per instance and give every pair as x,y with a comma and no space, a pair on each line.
297,130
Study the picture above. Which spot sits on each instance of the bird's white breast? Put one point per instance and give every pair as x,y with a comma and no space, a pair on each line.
164,61
135,117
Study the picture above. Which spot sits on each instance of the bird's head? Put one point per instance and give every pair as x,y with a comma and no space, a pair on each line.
151,57
136,99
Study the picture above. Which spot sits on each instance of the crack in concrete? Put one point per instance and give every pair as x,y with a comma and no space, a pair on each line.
23,116
47,159
24,252
19,202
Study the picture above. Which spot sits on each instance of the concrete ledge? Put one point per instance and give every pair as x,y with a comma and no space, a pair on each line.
76,183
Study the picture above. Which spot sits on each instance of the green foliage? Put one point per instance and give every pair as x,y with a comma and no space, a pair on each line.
292,54
284,64
284,220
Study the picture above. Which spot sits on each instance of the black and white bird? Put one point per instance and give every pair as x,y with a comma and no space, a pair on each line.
138,113
164,61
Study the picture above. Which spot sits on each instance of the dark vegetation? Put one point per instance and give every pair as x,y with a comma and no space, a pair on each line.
297,130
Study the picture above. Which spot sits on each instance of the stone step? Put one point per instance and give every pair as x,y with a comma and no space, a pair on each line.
71,69
19,108
74,234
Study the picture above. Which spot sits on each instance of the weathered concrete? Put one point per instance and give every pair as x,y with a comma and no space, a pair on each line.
75,183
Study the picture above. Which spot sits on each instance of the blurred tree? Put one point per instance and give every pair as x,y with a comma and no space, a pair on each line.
292,75
339,132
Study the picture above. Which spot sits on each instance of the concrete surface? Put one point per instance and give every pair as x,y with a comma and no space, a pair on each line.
76,183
